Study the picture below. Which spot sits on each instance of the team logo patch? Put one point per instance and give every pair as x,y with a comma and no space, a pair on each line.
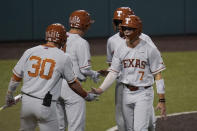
53,35
74,20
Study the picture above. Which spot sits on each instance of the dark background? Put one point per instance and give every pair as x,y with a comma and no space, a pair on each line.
172,25
28,19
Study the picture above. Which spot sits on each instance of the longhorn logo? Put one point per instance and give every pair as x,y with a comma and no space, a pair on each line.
74,20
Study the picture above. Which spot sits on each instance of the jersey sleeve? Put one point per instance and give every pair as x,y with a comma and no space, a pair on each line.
19,67
68,71
109,52
83,55
156,61
116,62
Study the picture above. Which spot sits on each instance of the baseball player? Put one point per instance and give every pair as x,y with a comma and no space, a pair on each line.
113,43
78,49
140,64
42,69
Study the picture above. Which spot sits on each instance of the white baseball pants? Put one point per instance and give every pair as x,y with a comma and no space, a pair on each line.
137,108
33,113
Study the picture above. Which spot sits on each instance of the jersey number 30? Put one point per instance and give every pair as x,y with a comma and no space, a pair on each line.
40,67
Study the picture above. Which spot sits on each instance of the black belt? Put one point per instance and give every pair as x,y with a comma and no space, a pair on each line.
34,96
135,88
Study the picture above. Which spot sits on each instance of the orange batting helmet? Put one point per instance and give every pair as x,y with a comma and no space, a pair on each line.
132,22
119,15
80,19
56,33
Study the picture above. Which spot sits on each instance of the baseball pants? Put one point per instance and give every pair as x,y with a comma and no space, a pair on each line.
33,113
118,107
137,108
152,122
72,113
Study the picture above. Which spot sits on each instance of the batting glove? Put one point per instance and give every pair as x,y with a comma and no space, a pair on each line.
91,97
95,77
10,99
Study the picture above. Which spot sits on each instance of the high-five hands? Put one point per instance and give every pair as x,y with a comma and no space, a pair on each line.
97,90
103,72
91,97
95,77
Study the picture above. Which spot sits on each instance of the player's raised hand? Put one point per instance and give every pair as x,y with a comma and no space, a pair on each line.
162,107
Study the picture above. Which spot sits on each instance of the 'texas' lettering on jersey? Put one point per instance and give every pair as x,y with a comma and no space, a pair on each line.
134,63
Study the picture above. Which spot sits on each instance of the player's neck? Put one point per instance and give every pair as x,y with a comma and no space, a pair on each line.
134,43
76,31
52,44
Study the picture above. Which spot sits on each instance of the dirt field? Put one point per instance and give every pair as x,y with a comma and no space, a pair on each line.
14,50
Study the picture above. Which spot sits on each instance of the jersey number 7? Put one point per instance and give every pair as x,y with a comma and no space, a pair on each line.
142,74
40,67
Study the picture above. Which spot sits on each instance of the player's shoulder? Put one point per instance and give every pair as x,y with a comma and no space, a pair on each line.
144,36
145,46
147,39
33,49
121,49
63,57
114,37
76,38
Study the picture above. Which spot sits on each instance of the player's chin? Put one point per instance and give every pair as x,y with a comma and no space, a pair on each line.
127,39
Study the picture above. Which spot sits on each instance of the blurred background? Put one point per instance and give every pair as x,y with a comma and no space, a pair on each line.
172,25
28,19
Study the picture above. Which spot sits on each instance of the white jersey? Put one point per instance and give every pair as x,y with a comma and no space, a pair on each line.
79,50
115,42
137,65
42,69
112,44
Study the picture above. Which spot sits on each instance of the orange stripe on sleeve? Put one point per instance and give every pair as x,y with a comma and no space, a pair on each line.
16,78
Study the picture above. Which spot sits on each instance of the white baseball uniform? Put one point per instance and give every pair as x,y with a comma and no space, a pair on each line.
42,69
113,43
137,66
75,108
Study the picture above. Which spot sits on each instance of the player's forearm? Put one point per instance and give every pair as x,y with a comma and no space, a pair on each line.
160,86
110,78
76,87
14,83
